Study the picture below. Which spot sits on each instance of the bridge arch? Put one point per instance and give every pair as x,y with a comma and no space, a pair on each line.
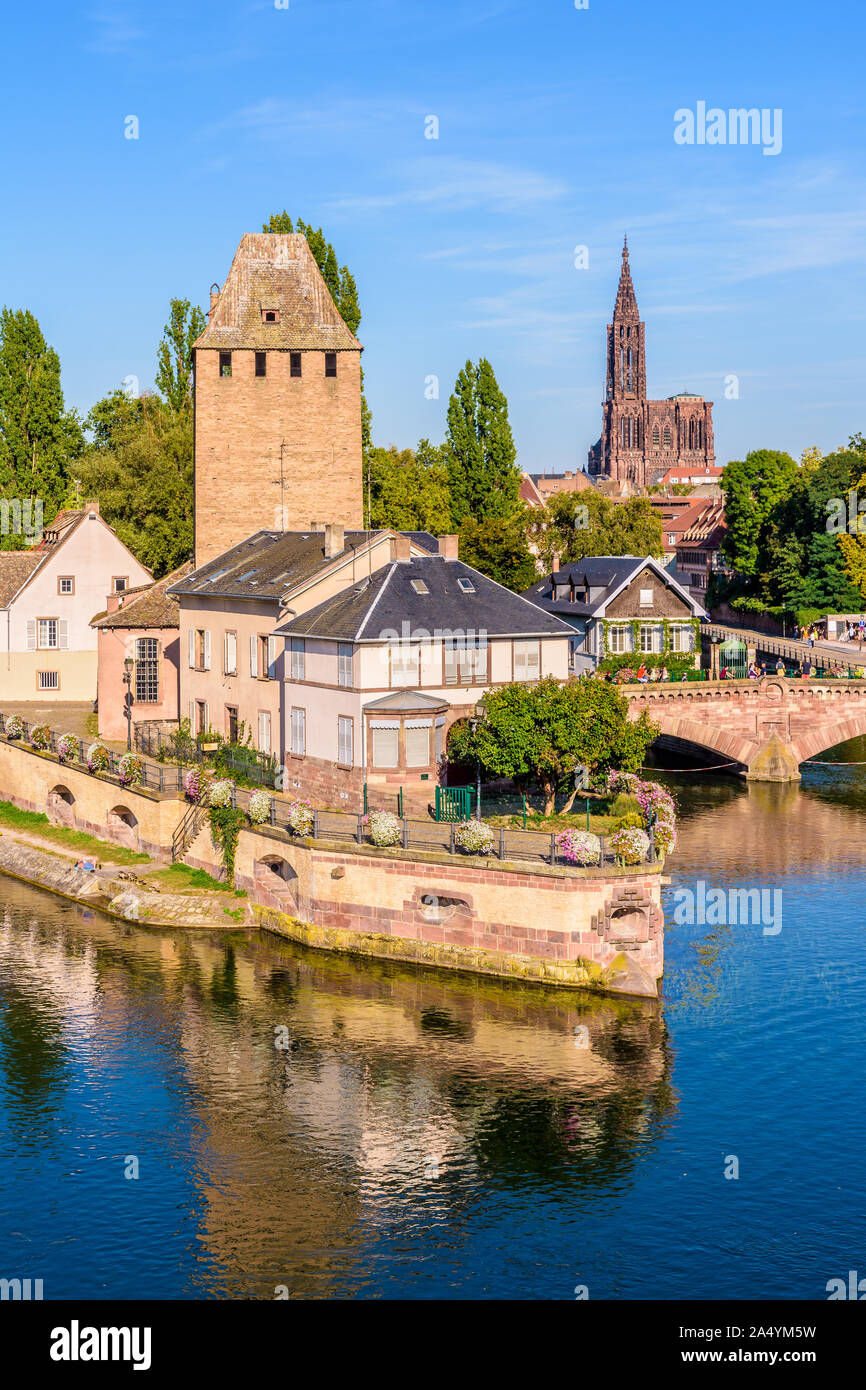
123,827
60,805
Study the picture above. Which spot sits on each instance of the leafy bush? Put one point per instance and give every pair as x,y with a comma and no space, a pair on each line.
300,818
385,828
40,737
578,847
15,726
220,793
98,758
474,837
67,748
259,808
130,770
632,820
631,846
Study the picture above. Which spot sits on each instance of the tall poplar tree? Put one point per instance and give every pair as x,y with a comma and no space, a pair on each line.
483,475
39,438
174,355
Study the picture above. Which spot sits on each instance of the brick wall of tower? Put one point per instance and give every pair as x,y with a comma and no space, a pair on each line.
240,423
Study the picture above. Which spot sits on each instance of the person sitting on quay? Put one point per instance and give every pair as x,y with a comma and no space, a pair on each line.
807,669
753,671
664,674
780,667
642,673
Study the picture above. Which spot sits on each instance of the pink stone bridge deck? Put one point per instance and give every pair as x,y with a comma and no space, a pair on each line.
768,726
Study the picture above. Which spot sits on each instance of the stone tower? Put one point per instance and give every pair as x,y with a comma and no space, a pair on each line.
277,401
641,439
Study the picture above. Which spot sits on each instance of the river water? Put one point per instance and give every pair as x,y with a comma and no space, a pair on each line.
188,1116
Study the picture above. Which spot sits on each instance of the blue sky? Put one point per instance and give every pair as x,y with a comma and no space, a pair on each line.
555,131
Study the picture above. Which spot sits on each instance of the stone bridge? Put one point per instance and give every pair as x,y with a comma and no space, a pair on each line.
767,726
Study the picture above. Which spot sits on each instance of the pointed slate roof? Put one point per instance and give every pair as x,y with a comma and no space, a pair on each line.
274,270
626,299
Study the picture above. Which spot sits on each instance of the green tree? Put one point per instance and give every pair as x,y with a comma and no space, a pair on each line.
339,279
140,466
409,489
538,734
174,354
39,438
483,475
753,488
575,525
498,548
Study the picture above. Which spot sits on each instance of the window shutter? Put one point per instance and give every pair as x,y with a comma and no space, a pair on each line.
192,649
205,717
64,635
207,651
192,715
272,658
31,634
254,656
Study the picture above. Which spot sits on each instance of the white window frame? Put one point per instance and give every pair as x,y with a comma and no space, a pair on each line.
344,664
298,731
647,598
254,656
48,628
620,639
298,648
230,653
345,741
527,659
264,731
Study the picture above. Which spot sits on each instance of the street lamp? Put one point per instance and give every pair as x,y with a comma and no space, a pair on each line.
475,720
128,665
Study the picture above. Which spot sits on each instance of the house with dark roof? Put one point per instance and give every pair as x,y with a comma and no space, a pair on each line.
618,604
231,660
141,625
377,673
48,596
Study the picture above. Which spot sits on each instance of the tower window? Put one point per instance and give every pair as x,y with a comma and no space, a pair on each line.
261,364
225,364
330,364
270,316
667,436
295,364
656,435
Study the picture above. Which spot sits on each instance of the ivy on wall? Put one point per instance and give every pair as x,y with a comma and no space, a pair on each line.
677,662
226,823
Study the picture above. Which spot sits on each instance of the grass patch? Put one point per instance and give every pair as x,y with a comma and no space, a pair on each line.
182,878
38,824
236,914
603,813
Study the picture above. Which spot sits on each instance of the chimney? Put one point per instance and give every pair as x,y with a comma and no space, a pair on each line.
449,547
113,602
556,561
402,548
335,539
214,296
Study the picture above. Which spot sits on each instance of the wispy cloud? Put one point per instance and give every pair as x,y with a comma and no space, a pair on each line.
115,33
459,184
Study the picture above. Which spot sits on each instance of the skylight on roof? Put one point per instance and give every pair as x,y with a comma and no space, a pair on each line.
419,586
247,575
465,585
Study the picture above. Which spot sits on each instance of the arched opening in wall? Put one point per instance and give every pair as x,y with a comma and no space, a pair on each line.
123,827
436,907
669,751
276,881
60,805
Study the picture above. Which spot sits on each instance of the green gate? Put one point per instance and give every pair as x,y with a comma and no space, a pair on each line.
453,803
732,655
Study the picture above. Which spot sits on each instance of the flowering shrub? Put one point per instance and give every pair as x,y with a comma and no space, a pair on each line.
259,808
130,770
196,784
40,737
474,837
98,759
15,727
630,846
653,799
385,828
220,793
578,847
622,781
665,837
300,818
67,748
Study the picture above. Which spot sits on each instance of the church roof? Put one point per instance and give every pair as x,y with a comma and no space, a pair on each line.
626,299
277,272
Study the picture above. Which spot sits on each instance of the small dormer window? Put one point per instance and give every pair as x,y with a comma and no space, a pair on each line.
646,598
270,316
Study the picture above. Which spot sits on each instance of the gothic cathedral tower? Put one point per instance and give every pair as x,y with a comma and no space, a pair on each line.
640,439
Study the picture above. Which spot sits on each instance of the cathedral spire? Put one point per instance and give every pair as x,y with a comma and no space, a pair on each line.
626,300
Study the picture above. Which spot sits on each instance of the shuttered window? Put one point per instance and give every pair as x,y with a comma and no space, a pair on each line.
417,746
206,650
254,656
192,649
344,741
527,660
272,658
386,747
264,731
298,658
344,663
230,654
299,731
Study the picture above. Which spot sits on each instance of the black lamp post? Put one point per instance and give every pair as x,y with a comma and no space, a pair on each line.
480,711
128,665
